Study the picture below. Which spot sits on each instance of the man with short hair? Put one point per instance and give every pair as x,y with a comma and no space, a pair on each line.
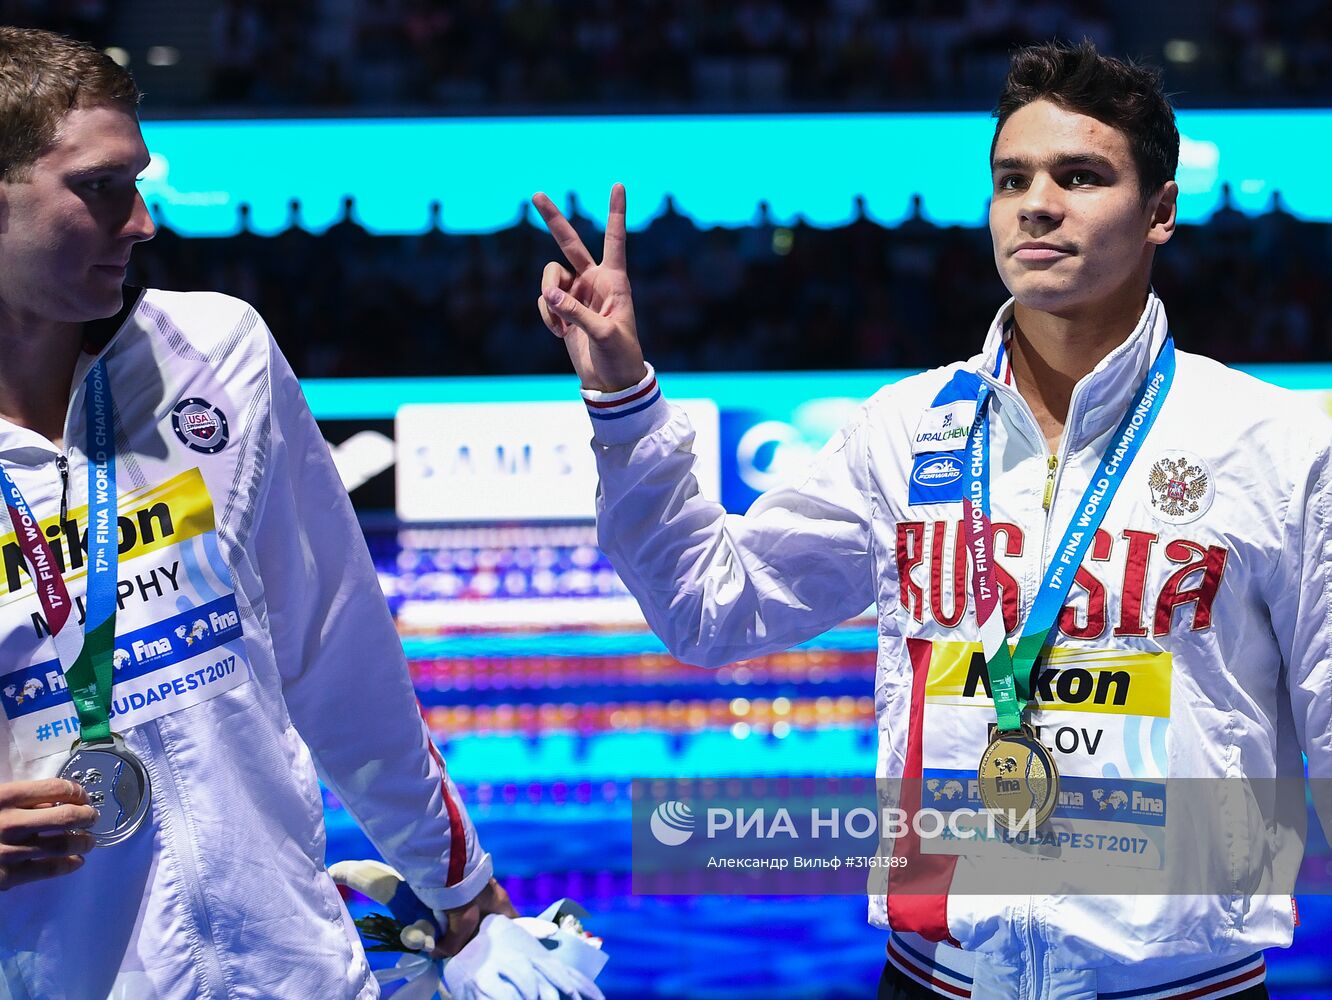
1151,527
191,624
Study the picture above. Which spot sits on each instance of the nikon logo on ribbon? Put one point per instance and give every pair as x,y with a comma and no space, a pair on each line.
152,519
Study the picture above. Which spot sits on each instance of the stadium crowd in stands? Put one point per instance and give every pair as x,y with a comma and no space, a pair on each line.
345,303
471,54
476,55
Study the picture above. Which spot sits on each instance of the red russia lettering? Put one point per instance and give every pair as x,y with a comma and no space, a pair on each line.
959,577
1095,589
910,554
932,559
1135,582
1211,561
911,551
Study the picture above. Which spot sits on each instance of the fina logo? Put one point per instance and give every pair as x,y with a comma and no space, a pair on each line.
1117,799
192,633
939,472
672,823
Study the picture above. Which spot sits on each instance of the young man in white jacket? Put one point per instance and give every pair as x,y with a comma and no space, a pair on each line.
1165,518
190,621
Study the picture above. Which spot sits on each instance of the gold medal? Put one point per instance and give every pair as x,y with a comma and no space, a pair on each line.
1017,777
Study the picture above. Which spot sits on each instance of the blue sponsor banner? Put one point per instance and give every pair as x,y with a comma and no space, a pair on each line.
736,493
771,424
1109,800
143,651
770,440
936,477
1118,800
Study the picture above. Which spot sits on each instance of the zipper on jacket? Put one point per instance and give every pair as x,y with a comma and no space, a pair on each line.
1033,957
1049,483
62,465
178,850
1020,406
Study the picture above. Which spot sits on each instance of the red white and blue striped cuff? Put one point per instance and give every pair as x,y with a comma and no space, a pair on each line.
1234,977
1229,979
923,970
626,415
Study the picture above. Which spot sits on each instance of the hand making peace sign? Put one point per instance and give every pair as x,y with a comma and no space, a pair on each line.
591,309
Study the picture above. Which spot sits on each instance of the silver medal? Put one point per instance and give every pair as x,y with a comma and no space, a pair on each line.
117,785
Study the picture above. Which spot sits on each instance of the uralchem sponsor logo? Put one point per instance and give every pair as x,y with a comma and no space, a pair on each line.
944,428
935,472
941,439
672,823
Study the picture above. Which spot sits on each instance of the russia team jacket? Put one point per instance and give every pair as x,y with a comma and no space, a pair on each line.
1195,642
254,649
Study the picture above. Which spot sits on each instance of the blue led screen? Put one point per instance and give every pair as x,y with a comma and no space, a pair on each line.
718,168
379,398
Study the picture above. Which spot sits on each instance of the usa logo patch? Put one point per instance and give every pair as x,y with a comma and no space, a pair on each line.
200,425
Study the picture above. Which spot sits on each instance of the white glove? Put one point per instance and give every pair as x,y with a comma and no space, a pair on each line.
422,977
504,962
384,885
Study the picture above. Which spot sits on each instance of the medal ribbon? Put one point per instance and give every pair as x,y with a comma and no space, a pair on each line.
86,659
1010,672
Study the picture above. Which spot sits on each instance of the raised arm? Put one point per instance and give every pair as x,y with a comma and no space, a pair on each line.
590,307
715,587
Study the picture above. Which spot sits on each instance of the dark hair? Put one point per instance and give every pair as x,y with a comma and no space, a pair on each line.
1123,95
44,76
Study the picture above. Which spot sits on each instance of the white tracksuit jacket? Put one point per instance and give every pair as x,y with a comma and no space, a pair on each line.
1206,588
254,648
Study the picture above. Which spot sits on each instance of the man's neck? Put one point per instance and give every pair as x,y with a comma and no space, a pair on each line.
36,370
1050,354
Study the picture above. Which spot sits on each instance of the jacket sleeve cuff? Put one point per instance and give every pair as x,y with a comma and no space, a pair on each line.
626,415
451,897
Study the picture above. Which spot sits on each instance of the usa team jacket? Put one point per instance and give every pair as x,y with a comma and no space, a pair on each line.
1194,643
254,650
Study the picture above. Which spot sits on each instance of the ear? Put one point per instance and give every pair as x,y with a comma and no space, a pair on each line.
1163,214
